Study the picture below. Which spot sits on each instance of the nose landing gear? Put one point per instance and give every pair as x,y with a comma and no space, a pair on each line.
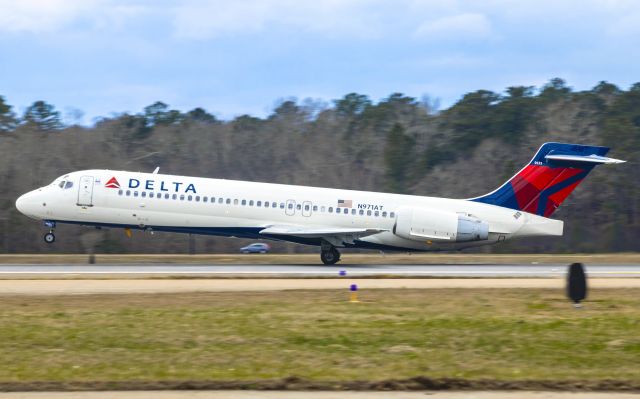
50,238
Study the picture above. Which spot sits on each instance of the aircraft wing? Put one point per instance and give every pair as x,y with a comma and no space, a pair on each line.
337,236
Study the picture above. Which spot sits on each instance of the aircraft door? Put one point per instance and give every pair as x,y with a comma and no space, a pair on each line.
290,208
306,208
85,191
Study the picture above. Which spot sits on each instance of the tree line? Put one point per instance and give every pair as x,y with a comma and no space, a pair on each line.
398,144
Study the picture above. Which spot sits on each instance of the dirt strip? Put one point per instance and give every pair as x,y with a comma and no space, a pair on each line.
317,395
297,384
98,286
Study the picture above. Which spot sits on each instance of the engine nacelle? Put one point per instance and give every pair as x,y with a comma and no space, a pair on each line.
425,224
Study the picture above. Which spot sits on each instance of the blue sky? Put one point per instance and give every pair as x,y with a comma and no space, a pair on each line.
239,57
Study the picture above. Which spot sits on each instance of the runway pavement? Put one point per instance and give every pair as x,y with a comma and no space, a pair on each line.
175,278
247,270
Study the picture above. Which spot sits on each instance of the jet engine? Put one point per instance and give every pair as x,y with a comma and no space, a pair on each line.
420,224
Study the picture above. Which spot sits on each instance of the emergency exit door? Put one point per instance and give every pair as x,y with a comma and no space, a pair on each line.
85,191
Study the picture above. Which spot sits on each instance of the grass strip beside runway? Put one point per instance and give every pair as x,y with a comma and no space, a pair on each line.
317,336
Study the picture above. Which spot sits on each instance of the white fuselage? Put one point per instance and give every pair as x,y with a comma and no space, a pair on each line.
237,208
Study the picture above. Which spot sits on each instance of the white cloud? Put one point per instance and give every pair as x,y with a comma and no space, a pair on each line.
115,16
450,61
39,16
207,19
461,26
625,26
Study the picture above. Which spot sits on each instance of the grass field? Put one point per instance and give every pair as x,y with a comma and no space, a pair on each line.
347,258
504,334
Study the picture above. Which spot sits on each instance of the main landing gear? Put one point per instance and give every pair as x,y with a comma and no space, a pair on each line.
329,254
50,238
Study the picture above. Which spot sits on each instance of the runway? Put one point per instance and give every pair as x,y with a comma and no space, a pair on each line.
294,271
64,279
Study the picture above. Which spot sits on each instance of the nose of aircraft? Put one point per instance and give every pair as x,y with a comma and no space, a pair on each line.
27,204
21,203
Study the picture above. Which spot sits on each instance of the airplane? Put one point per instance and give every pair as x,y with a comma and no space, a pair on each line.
328,218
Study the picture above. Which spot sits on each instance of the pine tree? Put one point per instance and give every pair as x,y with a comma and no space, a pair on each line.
43,115
7,117
398,157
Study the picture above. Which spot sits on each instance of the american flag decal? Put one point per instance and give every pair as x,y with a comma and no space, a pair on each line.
345,203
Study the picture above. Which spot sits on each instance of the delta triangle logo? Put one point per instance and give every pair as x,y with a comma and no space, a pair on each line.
112,183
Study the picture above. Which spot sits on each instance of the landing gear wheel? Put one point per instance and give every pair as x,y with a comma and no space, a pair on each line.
330,257
49,238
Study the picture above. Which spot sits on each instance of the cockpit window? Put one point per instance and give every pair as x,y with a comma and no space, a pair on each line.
60,181
68,184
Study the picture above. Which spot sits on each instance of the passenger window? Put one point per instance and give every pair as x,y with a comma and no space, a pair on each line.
346,211
392,215
353,211
143,194
120,192
181,197
244,202
189,198
228,201
150,195
235,201
135,193
290,206
369,212
205,199
384,214
128,193
166,196
330,209
174,196
361,212
251,203
259,203
220,200
282,205
275,205
315,208
197,198
306,207
298,207
322,209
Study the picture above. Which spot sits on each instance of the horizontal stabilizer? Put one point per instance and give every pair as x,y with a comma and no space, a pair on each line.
593,158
